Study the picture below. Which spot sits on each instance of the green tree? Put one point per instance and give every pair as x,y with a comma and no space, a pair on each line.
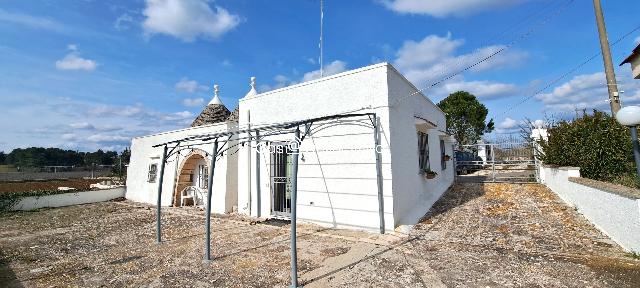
2,157
466,117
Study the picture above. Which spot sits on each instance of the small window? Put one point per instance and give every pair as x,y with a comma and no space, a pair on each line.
443,162
153,173
423,152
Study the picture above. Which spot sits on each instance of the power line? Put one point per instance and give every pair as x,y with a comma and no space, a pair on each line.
571,71
469,67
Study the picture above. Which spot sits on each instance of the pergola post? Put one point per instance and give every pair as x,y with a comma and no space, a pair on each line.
160,180
294,196
378,151
207,245
258,190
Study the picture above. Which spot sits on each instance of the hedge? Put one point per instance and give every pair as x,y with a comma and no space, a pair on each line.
596,143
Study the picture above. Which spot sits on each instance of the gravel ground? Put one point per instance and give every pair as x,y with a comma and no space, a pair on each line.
476,236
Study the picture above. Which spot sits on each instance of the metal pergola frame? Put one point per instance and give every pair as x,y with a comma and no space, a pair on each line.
256,134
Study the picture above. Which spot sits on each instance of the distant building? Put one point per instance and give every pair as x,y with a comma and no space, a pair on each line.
337,179
634,60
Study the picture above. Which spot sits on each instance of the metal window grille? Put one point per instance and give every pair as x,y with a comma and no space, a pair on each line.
153,173
423,151
443,163
203,176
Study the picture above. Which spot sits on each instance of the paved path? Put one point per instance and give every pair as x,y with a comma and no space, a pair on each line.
476,236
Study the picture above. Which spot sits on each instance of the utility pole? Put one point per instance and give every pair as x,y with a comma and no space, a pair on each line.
321,44
614,96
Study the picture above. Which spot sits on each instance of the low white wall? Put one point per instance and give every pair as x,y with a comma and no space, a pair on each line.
616,215
68,199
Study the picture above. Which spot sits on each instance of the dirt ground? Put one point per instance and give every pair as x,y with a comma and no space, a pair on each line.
80,184
489,235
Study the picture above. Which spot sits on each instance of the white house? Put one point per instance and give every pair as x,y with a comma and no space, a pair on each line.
337,179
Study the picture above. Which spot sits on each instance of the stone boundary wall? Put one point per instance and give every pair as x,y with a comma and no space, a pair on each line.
613,209
68,199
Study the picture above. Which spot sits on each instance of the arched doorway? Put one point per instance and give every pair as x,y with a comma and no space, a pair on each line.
193,172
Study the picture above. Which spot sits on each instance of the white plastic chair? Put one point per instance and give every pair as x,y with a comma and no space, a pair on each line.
189,192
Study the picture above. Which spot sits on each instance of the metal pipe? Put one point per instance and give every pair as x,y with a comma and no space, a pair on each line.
207,253
258,196
378,151
160,180
493,163
636,147
249,162
271,127
294,197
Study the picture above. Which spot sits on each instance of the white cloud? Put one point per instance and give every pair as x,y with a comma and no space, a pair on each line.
193,102
187,20
183,115
440,8
637,40
82,125
482,89
334,67
31,21
434,57
226,63
123,22
189,86
507,123
57,125
73,61
589,91
281,81
89,126
103,138
539,123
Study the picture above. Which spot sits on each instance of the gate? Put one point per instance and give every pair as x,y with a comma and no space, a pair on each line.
281,182
506,160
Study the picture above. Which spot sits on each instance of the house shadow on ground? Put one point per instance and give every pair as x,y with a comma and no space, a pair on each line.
8,277
457,195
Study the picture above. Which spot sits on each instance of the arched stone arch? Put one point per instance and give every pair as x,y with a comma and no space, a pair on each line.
187,171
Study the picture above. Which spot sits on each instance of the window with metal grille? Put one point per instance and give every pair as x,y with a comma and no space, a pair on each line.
203,176
153,173
423,151
443,162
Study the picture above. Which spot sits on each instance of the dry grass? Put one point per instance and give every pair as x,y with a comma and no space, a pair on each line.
476,235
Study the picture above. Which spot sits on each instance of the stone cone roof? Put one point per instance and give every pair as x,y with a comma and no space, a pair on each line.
213,113
235,115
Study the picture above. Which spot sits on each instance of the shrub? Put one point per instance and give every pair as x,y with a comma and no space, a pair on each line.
596,143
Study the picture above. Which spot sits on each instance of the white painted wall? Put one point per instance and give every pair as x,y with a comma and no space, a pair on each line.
68,199
338,188
413,194
143,154
613,214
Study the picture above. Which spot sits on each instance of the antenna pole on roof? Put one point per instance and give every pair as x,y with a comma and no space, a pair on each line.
320,60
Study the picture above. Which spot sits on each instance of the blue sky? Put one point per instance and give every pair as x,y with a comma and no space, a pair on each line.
92,74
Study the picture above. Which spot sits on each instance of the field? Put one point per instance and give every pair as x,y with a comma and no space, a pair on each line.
80,184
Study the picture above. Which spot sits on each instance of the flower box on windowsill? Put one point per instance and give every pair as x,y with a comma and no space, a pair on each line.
430,174
447,157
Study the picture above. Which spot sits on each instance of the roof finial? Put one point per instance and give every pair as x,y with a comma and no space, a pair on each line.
253,90
216,97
